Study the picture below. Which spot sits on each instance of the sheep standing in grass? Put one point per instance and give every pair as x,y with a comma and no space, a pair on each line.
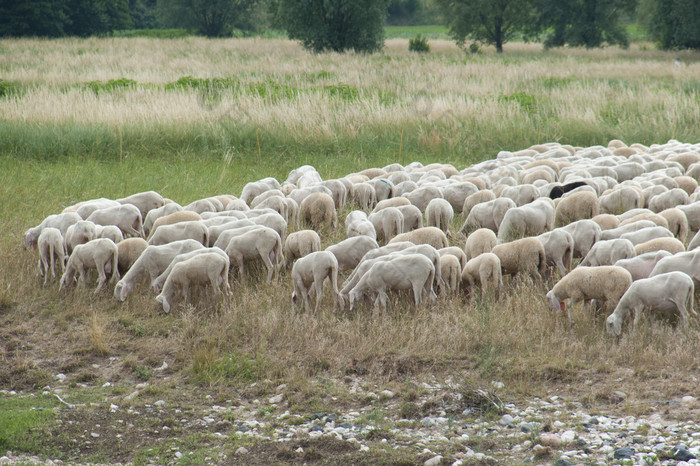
127,217
530,219
309,272
263,243
667,293
357,224
456,252
481,241
100,254
677,223
607,283
129,251
585,234
484,269
478,197
439,213
412,217
426,235
451,272
576,206
318,209
110,232
641,265
559,249
158,283
671,245
349,252
79,233
524,255
202,269
487,215
165,234
299,244
608,252
686,262
145,202
51,250
388,222
61,221
173,218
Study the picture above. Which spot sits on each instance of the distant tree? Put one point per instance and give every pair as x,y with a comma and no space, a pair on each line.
402,12
143,14
492,22
584,23
212,18
335,25
673,24
41,18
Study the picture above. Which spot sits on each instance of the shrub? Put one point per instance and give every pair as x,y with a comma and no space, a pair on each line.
419,44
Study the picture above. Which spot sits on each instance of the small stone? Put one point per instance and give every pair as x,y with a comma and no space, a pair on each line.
497,385
94,435
506,420
316,428
60,377
680,453
526,427
344,425
159,403
541,452
550,440
364,448
178,455
243,428
434,461
276,399
688,401
300,450
242,451
106,385
141,386
563,462
387,394
132,395
623,453
427,422
568,437
592,422
618,397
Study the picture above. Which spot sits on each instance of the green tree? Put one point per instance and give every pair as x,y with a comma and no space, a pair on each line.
212,18
41,18
584,23
673,24
492,22
335,25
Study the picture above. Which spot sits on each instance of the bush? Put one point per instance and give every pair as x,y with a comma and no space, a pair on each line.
419,44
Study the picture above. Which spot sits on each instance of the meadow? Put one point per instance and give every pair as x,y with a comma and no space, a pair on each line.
191,118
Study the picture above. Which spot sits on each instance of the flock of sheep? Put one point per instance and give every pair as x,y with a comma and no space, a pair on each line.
625,211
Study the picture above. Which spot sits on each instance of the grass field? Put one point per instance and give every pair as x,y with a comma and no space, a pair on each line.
87,118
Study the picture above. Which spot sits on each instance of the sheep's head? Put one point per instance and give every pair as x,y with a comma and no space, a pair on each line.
613,325
122,290
30,238
166,305
554,303
352,297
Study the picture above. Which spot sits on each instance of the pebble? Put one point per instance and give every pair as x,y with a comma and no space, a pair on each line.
387,394
434,461
622,453
506,420
688,401
680,453
568,437
427,422
618,396
276,399
550,440
242,451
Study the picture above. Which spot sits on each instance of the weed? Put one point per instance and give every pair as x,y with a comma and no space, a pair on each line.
419,44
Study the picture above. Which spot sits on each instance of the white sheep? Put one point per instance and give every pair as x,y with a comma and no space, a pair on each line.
364,195
233,223
194,229
110,232
100,254
671,245
412,217
484,269
620,200
576,206
226,235
439,213
84,209
692,212
677,222
455,251
357,224
686,262
301,243
605,283
264,243
628,228
487,215
339,192
530,219
393,202
79,233
426,235
350,251
388,222
478,197
668,200
152,261
309,272
608,252
457,193
412,271
318,209
51,250
667,293
524,255
272,220
129,251
559,248
422,196
60,221
521,194
451,272
647,234
145,202
201,206
202,269
480,241
607,221
641,265
158,282
127,217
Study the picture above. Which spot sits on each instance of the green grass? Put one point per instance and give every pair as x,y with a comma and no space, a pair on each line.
434,31
20,417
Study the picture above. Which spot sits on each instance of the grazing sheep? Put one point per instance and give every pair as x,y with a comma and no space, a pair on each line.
301,243
558,191
202,269
79,233
478,197
480,241
210,218
318,209
129,251
388,222
641,265
159,281
656,218
152,261
237,204
576,206
608,252
426,235
692,212
677,222
201,206
620,200
439,213
457,193
216,230
51,249
357,224
671,245
528,220
145,202
487,215
276,203
226,235
383,188
60,221
393,202
607,221
686,183
301,193
456,252
349,252
263,243
521,194
310,271
668,200
628,228
524,255
412,271
364,195
605,283
173,218
110,232
412,217
253,189
451,272
339,192
559,248
257,200
85,208
667,293
272,220
422,196
127,217
647,234
484,269
100,254
177,231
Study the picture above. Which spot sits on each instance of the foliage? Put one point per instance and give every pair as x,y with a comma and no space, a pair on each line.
335,25
45,18
7,88
412,12
492,22
153,33
212,18
418,43
673,24
111,85
584,23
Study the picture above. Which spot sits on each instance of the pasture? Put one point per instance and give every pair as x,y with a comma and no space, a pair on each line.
192,118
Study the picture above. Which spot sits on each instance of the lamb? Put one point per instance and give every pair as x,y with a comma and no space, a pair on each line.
201,269
677,222
158,283
456,252
608,252
439,213
665,293
487,215
607,221
559,249
481,241
301,243
194,229
145,202
671,245
412,217
100,254
605,283
426,235
129,251
263,243
484,269
349,252
412,271
647,234
641,265
51,249
528,220
524,255
388,222
310,271
451,272
576,206
127,217
153,260
79,233
318,209
60,221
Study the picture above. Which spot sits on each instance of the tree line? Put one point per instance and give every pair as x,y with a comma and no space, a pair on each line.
338,25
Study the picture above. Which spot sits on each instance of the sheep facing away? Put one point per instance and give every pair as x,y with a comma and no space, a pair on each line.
263,243
607,283
309,272
426,235
524,255
158,283
51,250
480,241
100,254
350,251
299,244
318,209
666,293
484,269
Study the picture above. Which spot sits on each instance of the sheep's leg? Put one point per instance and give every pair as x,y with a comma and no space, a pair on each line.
560,266
305,294
417,293
268,264
318,288
81,275
52,256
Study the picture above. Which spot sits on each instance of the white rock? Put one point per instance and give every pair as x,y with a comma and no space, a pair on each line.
276,399
299,450
568,436
506,420
434,461
60,377
242,451
132,395
387,394
178,454
497,385
113,408
159,403
94,435
106,384
688,401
